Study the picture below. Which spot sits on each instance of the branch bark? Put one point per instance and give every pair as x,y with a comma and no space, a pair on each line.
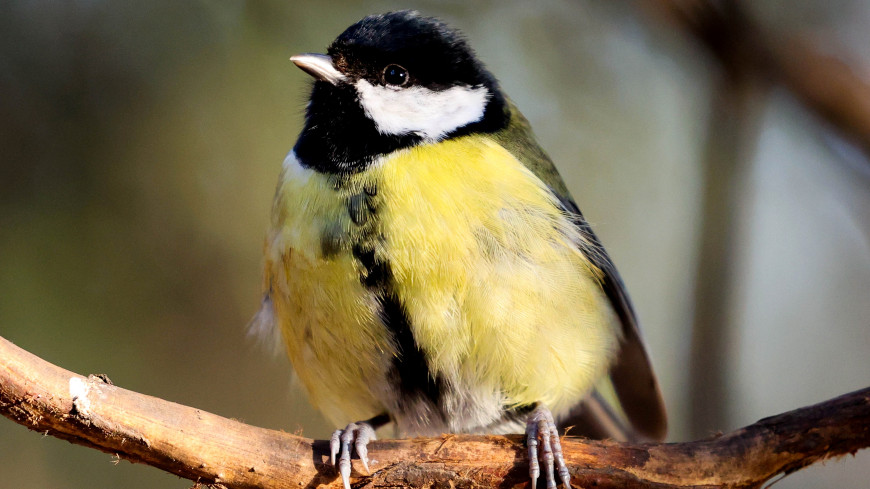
210,449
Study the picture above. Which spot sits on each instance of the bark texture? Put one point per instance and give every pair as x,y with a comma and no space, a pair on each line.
213,450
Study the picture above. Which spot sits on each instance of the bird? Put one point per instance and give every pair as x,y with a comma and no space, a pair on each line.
427,266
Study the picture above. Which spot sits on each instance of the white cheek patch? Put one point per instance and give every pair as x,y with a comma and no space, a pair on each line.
417,110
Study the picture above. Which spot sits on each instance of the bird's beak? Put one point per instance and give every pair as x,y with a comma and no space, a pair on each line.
319,66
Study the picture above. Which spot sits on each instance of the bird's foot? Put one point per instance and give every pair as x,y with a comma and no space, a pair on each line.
359,434
541,430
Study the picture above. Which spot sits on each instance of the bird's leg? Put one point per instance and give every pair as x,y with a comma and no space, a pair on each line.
541,430
360,434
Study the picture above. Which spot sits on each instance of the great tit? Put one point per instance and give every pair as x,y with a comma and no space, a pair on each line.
426,264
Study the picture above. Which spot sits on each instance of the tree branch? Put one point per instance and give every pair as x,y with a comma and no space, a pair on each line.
210,449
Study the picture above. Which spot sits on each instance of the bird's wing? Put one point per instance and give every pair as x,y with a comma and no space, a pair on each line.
632,378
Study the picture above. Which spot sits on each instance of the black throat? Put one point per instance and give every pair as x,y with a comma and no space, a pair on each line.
339,139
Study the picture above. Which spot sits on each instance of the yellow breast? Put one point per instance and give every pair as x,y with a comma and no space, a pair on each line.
491,272
327,318
498,293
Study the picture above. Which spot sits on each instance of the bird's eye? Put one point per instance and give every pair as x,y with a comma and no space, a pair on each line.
395,75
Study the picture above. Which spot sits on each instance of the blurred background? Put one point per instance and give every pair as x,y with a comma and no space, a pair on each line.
720,154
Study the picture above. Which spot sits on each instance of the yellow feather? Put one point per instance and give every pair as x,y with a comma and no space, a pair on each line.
491,273
498,293
324,312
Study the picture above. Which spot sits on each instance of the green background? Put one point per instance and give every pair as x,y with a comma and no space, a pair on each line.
140,144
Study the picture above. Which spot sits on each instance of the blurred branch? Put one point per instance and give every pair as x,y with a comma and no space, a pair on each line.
732,131
731,135
751,60
209,449
823,83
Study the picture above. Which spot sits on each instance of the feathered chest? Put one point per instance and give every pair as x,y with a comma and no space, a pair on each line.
423,270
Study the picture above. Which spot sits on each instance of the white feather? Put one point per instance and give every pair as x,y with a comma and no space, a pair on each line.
428,113
264,327
293,170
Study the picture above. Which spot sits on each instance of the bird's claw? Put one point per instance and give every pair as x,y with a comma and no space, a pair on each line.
360,434
541,430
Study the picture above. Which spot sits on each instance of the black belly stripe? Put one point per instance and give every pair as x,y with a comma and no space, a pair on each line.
410,367
377,273
410,370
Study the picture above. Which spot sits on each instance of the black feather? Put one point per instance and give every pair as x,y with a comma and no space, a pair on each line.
338,137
